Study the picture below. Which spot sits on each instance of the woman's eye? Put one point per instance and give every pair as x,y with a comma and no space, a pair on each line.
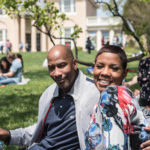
115,69
98,66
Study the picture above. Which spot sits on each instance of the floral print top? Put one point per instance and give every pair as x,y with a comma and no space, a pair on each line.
117,122
144,78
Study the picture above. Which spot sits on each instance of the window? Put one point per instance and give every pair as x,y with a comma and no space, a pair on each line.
67,6
60,5
67,32
28,40
74,5
1,11
1,34
38,41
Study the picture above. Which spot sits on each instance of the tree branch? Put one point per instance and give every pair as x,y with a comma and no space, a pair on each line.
48,33
124,23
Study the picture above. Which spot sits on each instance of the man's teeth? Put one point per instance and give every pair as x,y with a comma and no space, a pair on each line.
104,81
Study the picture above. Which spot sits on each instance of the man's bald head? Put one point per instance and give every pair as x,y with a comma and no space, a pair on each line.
61,50
62,66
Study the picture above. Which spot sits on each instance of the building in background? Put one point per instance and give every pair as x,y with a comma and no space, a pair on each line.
81,12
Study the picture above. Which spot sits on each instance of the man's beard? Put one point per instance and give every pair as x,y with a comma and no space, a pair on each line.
65,86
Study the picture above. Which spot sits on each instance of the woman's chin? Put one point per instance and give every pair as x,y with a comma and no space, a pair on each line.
102,88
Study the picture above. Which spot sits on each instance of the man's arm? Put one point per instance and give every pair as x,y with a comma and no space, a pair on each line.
19,136
8,74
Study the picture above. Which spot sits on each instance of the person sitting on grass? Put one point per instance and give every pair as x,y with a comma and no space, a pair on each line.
19,57
15,72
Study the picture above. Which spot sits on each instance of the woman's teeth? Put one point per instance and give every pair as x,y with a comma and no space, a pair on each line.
104,81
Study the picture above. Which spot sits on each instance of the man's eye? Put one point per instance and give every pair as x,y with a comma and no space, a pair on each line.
50,68
62,65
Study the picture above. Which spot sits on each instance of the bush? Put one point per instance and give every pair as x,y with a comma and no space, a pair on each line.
131,43
79,48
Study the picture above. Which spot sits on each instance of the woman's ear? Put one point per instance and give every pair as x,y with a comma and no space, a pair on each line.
125,72
93,64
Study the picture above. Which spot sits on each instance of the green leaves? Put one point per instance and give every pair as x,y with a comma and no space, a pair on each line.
77,31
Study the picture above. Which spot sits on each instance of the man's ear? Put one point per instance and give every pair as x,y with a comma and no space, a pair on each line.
125,73
75,64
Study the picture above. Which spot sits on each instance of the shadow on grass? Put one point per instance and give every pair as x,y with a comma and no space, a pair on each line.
36,74
16,109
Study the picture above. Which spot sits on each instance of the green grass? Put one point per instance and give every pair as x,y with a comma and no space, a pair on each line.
19,103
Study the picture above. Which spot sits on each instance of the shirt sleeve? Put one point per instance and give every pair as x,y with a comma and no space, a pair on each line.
13,68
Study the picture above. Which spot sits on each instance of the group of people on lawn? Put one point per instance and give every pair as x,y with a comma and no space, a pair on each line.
11,69
79,113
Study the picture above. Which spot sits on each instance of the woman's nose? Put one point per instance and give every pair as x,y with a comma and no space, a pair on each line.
105,71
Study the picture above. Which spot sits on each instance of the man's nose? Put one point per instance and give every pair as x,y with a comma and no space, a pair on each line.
57,72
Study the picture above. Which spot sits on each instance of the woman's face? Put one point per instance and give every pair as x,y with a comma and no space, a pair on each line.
4,64
108,70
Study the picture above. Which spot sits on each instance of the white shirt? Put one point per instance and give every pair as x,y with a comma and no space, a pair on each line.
1,43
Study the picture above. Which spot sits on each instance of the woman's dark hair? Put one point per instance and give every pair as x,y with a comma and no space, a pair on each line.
20,56
7,67
116,50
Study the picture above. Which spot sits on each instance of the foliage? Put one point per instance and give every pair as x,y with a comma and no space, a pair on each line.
113,7
79,48
145,0
131,43
139,19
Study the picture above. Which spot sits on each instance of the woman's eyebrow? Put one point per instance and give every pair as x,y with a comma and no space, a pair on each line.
115,65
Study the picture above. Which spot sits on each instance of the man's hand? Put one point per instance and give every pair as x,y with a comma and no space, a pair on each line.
0,74
4,135
146,145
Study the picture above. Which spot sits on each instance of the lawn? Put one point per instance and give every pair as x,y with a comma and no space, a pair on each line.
19,103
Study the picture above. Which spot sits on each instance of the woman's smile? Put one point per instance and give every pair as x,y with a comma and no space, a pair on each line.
108,70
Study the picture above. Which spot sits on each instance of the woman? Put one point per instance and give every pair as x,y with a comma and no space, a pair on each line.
116,122
19,57
4,65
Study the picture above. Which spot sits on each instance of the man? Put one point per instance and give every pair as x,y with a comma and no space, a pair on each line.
64,108
1,45
15,73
